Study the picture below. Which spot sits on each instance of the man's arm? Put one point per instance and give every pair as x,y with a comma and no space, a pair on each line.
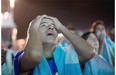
84,50
33,49
101,38
100,49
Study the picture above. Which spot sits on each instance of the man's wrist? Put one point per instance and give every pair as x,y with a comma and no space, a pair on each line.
62,27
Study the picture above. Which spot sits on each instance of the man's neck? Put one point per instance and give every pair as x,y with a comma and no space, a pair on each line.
48,49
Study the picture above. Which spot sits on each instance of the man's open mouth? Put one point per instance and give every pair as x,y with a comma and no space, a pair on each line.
50,34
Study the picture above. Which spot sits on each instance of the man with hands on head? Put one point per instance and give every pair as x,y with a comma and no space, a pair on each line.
42,56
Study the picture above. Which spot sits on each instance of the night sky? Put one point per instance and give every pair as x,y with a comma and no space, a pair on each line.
79,13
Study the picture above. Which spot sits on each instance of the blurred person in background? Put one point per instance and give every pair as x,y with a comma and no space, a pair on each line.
111,33
4,48
92,40
19,45
98,28
12,50
97,65
3,56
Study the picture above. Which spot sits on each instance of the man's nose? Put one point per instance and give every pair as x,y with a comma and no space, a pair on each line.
51,28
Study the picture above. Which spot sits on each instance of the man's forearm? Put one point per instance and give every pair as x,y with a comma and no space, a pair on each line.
101,47
32,53
34,45
81,46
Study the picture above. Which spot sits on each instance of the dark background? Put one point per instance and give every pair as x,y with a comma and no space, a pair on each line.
79,13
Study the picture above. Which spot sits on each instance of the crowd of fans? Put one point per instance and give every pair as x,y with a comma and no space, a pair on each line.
44,52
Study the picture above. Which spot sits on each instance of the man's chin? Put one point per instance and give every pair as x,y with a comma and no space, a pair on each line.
49,42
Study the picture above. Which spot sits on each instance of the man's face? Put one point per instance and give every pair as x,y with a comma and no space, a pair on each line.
47,31
100,29
92,40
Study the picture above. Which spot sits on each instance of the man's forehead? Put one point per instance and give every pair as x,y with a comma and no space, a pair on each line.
47,19
43,20
100,25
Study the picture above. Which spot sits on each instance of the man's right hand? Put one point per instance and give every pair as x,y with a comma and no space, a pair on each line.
101,37
34,25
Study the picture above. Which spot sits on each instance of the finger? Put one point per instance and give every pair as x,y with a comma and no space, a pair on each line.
36,22
39,18
44,15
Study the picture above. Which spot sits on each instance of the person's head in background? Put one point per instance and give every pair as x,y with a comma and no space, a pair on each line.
91,39
3,56
98,28
4,44
19,44
111,32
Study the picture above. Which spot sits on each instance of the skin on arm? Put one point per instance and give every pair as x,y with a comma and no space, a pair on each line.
33,49
101,47
100,32
84,50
